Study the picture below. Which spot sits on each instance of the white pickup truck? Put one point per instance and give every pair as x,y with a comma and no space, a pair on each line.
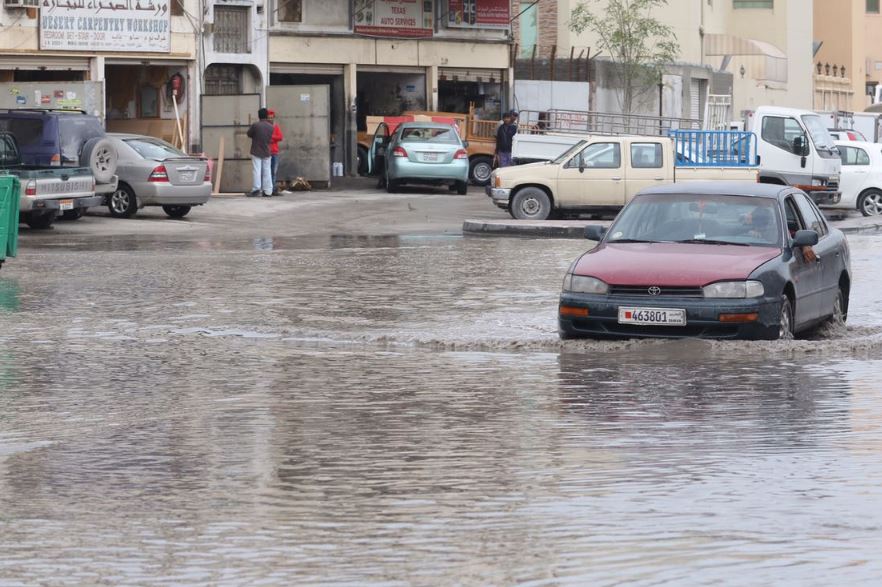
602,173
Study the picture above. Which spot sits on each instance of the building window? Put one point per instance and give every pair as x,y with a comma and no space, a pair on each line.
289,11
753,4
231,29
873,6
529,27
223,80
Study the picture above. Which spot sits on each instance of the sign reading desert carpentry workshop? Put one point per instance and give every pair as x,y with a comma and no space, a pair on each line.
479,14
393,18
105,25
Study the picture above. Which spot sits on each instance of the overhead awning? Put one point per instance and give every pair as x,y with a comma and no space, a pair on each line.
471,75
44,62
761,60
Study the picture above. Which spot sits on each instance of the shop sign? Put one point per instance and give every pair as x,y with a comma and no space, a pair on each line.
393,18
479,14
105,25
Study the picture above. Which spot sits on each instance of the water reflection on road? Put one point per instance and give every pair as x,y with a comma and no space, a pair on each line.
399,411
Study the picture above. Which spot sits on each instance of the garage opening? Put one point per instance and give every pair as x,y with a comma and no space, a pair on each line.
460,90
388,94
139,101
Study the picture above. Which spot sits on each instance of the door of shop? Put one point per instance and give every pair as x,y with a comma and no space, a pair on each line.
228,118
304,114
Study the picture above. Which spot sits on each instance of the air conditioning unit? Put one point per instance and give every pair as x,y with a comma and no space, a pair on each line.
21,3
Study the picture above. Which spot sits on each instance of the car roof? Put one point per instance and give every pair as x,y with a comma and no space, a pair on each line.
426,125
720,188
126,135
864,144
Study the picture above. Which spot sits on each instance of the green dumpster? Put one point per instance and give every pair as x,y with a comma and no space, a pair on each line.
9,195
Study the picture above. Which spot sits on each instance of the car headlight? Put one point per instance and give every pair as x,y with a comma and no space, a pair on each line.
582,284
817,182
734,289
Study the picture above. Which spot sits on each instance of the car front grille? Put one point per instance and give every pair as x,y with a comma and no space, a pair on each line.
663,291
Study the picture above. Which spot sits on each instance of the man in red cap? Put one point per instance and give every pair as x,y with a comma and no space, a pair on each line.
274,149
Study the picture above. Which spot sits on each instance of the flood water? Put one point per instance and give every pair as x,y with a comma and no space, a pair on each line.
399,411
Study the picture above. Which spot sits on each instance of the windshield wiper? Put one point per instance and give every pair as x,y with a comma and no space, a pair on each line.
710,241
630,240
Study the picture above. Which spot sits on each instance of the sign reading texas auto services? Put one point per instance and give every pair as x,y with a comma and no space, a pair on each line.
393,18
105,25
479,14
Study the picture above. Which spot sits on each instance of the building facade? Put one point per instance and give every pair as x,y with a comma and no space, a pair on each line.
136,65
759,52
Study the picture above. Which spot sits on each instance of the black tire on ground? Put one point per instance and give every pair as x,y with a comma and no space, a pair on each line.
785,323
40,221
480,168
176,211
122,203
462,188
362,155
531,204
100,155
74,214
391,186
840,309
870,203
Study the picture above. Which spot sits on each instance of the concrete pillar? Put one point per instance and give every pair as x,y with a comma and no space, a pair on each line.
350,91
432,88
96,74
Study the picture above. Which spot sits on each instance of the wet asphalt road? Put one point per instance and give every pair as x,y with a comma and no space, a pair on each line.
276,403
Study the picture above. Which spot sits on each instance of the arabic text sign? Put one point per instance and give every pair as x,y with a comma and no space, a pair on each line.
394,18
479,14
105,25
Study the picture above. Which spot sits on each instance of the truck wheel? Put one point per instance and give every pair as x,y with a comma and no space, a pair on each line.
176,211
531,204
480,169
40,221
74,214
100,156
122,203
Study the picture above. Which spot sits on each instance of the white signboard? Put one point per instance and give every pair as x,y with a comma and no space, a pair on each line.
105,25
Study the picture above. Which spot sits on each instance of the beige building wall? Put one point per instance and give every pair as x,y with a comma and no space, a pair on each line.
787,26
843,28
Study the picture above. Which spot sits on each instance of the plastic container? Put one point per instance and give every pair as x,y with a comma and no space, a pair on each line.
9,194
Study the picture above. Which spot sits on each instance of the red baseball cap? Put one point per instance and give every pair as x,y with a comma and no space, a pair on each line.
270,112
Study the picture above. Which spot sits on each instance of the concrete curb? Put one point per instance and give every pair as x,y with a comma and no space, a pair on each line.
575,229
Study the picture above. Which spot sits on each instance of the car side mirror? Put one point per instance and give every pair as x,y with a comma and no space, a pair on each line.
595,232
800,146
805,238
581,165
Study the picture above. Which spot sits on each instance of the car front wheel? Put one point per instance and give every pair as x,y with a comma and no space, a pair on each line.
840,309
785,321
531,204
176,211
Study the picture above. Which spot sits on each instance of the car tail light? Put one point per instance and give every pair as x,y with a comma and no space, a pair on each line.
55,161
207,174
461,154
399,152
852,136
31,189
159,174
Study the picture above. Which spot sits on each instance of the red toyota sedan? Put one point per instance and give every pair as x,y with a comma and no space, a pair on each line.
709,259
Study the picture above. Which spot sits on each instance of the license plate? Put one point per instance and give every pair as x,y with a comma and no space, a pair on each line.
188,176
430,157
652,316
66,204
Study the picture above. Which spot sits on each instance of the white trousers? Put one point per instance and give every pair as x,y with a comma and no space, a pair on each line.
262,176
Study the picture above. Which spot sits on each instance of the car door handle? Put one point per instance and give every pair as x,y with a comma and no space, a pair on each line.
616,178
658,178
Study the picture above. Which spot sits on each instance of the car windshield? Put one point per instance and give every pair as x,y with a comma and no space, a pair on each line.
699,218
816,128
154,149
436,134
570,152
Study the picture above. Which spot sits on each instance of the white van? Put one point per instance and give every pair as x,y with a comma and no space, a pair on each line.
795,149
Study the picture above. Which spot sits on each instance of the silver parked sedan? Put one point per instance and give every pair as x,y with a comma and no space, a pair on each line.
154,173
425,153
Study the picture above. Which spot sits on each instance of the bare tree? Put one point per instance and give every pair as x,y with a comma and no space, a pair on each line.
639,45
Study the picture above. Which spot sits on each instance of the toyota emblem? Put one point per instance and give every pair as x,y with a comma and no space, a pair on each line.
654,290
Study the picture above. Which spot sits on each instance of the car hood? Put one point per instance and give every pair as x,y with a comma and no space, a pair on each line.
672,264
